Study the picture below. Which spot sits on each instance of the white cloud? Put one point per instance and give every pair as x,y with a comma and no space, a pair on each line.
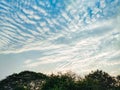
66,40
27,61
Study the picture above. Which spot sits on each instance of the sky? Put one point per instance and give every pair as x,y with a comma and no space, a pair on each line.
51,36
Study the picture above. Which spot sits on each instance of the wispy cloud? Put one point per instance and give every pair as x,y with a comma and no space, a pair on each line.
74,35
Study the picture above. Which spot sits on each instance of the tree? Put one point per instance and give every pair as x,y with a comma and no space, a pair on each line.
118,82
60,82
25,80
102,79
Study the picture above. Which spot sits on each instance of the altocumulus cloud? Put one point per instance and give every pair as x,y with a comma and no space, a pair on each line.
77,35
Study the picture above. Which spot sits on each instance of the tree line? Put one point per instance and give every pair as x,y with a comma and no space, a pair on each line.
28,80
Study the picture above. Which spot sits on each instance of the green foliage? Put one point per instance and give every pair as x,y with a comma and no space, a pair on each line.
20,88
26,80
104,80
59,82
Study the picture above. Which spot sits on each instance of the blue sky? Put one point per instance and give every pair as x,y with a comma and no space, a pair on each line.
59,35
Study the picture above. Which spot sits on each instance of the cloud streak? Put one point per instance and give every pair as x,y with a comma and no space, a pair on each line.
71,34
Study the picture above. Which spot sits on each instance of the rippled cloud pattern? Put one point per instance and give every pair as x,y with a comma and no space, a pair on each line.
60,35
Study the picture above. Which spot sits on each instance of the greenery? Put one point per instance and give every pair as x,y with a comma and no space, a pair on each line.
27,80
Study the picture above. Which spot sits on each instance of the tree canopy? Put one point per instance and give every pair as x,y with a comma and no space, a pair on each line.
27,80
